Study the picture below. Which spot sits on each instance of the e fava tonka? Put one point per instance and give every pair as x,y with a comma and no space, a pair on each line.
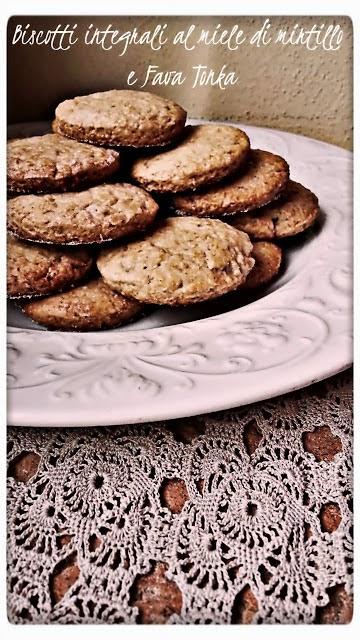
201,76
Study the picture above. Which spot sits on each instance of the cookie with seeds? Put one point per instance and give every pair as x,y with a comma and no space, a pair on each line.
296,210
120,118
260,181
48,163
102,213
207,153
268,257
34,270
183,260
89,307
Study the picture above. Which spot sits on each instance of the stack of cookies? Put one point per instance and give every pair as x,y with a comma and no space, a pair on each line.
123,207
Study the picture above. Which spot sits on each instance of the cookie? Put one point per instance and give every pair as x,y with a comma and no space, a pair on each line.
89,307
102,213
295,211
48,163
37,270
120,118
258,183
207,153
267,256
185,260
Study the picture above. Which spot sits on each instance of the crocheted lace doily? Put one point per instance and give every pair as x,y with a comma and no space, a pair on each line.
228,508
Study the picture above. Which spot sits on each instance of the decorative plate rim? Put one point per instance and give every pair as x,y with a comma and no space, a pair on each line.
296,335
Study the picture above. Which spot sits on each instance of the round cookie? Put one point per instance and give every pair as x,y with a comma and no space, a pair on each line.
185,260
295,211
207,153
120,118
102,213
51,162
37,270
267,256
262,179
89,307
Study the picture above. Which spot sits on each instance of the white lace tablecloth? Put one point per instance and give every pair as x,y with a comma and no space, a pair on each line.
241,516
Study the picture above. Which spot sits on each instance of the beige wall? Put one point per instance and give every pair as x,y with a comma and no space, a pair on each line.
290,88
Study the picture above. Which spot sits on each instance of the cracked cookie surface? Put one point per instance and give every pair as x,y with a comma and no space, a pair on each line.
207,153
48,163
268,257
102,213
120,118
34,270
183,260
89,307
260,181
296,210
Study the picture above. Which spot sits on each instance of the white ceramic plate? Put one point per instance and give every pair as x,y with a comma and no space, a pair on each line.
218,355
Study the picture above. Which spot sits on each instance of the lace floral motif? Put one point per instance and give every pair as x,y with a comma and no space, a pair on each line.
262,507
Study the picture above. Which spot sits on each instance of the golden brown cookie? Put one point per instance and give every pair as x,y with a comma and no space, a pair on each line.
295,211
102,213
89,307
120,118
257,183
267,256
184,260
207,153
34,270
48,163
